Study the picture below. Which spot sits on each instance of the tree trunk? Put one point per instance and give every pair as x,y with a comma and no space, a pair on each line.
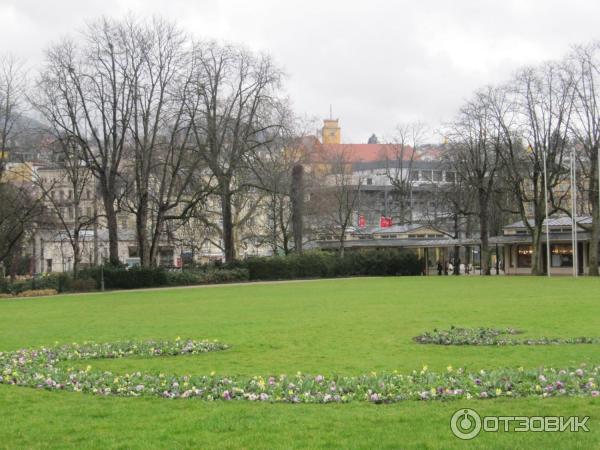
297,192
593,250
228,236
141,223
284,230
484,233
154,249
113,233
593,198
76,255
537,262
456,268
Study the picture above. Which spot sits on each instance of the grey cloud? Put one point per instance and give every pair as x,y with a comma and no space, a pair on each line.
377,62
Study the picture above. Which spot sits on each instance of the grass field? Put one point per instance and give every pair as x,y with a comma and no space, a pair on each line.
321,327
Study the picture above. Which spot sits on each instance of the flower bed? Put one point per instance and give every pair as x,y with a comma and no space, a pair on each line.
492,336
39,368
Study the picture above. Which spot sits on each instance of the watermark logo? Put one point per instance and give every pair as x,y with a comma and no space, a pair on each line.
466,423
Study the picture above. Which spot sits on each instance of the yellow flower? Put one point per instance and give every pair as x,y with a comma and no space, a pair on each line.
449,369
212,373
88,368
498,391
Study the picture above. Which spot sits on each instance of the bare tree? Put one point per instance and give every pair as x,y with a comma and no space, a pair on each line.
18,208
167,180
68,191
276,168
584,65
399,164
85,92
19,211
239,94
534,116
334,201
297,200
474,152
12,96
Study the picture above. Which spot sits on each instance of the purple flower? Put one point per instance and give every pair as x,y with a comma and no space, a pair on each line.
374,397
271,381
264,397
595,393
483,394
226,395
477,381
319,378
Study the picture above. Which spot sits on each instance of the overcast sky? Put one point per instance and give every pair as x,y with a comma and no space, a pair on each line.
377,62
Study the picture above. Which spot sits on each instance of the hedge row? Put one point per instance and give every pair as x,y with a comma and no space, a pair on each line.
314,264
327,265
49,281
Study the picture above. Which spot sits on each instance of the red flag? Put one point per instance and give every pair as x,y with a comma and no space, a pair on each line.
385,222
362,223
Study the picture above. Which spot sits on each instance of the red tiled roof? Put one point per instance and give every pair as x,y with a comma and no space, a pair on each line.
361,152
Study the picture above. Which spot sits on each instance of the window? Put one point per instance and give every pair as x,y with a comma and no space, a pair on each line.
369,181
414,175
49,265
524,253
88,194
166,257
426,175
88,211
561,255
450,177
437,175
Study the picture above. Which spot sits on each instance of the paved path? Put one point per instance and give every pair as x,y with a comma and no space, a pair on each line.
193,286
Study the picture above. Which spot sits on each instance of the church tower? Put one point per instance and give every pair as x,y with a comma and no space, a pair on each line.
331,132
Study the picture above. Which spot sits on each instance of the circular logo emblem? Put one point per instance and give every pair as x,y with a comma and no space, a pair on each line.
465,424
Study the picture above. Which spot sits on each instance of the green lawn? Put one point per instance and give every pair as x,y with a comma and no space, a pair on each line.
320,327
